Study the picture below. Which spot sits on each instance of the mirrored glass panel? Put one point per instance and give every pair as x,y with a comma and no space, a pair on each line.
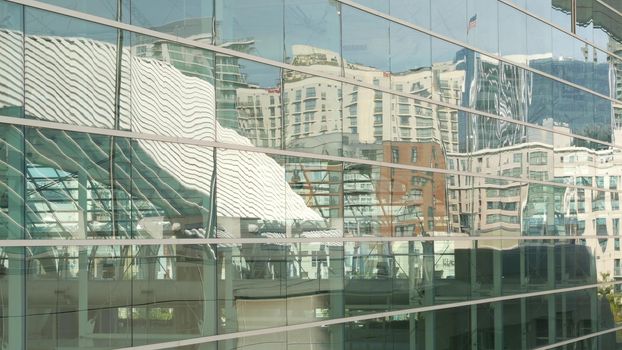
110,9
416,12
170,88
450,18
160,192
482,25
530,322
12,184
512,35
251,27
107,297
607,28
584,24
312,113
365,46
12,61
313,35
560,12
248,103
367,122
72,71
82,186
191,19
377,277
73,185
257,205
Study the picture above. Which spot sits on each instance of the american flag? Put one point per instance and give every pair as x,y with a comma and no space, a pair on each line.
472,22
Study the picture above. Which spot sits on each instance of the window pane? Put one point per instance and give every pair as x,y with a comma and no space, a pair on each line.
312,114
312,35
73,78
190,19
251,26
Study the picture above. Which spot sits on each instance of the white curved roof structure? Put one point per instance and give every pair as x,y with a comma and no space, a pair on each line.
72,80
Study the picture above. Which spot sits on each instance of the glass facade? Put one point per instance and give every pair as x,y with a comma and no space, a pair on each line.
310,174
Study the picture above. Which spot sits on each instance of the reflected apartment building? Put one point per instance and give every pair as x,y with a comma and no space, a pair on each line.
310,175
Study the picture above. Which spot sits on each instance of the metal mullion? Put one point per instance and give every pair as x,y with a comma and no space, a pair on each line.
283,240
271,151
573,16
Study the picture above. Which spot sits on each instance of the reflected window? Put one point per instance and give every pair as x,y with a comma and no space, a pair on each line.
537,158
395,155
600,181
615,201
584,181
613,182
418,181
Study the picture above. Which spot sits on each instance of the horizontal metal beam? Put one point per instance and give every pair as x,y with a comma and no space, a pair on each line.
280,152
275,240
578,339
301,69
325,323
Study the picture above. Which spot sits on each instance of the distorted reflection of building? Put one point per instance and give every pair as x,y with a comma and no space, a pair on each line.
417,198
219,69
85,186
313,112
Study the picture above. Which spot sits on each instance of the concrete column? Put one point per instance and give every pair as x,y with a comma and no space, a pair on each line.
473,325
210,275
523,325
336,272
17,298
84,327
413,295
83,277
497,272
550,262
337,299
230,311
474,294
428,283
523,303
15,228
594,305
564,296
210,302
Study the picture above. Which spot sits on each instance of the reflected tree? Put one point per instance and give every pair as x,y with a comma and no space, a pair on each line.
613,297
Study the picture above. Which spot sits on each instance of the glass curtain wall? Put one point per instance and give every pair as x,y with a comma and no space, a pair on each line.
317,174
